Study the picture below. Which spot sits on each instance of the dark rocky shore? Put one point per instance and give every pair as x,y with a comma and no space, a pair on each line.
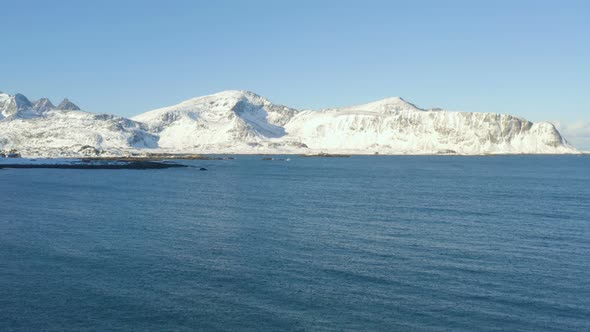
90,165
325,155
160,156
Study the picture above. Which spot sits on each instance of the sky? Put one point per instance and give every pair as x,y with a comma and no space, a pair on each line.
526,58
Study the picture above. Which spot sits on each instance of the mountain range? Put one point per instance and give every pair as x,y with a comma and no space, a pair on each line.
244,122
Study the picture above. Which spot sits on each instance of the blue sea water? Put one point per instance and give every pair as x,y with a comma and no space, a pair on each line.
362,243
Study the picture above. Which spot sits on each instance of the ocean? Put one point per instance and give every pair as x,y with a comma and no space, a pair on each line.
366,243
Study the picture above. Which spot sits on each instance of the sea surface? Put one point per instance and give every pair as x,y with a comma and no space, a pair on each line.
380,243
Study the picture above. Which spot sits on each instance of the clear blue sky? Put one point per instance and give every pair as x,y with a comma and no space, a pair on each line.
528,58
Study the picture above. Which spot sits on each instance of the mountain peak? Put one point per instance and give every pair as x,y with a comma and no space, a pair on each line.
21,101
42,105
67,105
226,100
13,105
235,94
390,104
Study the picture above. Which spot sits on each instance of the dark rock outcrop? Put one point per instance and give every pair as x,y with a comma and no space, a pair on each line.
43,105
67,105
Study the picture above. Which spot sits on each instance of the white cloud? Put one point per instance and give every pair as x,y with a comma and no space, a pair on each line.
577,133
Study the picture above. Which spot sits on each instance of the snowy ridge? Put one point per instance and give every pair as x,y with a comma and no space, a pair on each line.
244,122
43,105
42,130
229,120
384,106
428,132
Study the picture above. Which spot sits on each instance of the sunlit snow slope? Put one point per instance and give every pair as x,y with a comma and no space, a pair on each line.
240,121
243,122
41,129
230,121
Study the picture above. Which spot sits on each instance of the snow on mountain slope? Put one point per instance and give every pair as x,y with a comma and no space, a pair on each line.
228,121
41,130
413,131
383,107
11,106
43,105
243,122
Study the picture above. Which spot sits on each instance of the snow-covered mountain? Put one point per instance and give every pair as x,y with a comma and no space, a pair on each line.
243,122
41,129
393,126
230,121
43,105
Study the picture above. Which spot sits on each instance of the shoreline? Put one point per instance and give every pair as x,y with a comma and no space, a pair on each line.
80,164
160,158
